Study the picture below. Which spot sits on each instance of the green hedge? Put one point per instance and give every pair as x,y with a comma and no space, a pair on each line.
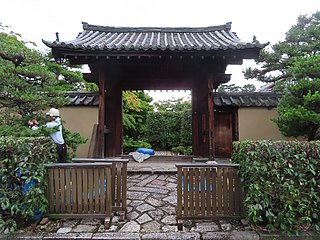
131,145
169,129
281,181
21,164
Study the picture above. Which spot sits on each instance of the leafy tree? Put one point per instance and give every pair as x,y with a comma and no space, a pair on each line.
294,65
299,108
29,84
248,88
174,105
136,106
302,40
71,78
164,129
231,88
228,88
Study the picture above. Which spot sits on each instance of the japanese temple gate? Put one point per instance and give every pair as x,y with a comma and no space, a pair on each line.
156,59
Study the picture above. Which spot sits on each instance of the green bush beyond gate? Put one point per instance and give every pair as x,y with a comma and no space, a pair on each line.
281,181
22,179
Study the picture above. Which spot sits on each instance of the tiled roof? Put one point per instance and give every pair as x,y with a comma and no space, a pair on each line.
243,99
254,99
101,38
83,98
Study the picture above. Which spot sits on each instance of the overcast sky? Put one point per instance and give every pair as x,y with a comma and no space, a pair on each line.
267,20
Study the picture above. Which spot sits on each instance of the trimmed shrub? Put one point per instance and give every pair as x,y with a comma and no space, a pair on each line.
281,181
22,184
182,150
169,129
131,145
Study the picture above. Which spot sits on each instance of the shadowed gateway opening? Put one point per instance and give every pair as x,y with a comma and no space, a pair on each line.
156,124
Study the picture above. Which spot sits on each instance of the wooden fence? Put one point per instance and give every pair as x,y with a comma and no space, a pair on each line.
118,182
79,190
208,191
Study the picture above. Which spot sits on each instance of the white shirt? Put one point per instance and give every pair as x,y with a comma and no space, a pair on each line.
56,136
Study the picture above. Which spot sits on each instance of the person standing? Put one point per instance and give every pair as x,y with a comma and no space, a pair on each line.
57,137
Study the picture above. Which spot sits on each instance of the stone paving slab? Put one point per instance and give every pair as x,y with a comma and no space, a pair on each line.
243,235
116,236
301,236
148,189
170,236
68,236
215,235
22,236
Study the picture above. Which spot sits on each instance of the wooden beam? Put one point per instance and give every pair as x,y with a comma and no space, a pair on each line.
195,122
113,145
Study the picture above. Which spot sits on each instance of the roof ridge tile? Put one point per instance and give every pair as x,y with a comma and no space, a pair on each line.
87,26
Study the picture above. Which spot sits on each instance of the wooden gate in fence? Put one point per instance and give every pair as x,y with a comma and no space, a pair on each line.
79,190
118,182
208,191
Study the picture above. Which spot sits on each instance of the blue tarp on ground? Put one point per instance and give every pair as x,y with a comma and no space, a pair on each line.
145,151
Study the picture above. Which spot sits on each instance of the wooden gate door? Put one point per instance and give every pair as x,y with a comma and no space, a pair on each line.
208,191
223,129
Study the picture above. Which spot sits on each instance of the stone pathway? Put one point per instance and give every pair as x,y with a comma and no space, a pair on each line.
163,166
151,215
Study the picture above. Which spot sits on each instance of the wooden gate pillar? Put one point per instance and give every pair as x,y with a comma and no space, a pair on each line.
203,119
101,114
211,137
110,115
203,138
113,143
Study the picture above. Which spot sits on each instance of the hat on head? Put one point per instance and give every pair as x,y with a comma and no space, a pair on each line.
53,112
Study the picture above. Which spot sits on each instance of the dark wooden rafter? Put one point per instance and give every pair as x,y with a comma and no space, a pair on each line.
84,57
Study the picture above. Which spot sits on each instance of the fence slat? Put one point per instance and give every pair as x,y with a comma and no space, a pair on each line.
107,201
57,189
208,190
91,190
51,199
74,191
124,187
96,190
225,191
79,190
202,187
68,190
103,186
113,184
179,193
185,191
231,191
214,191
191,192
237,195
197,198
63,190
219,192
118,197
